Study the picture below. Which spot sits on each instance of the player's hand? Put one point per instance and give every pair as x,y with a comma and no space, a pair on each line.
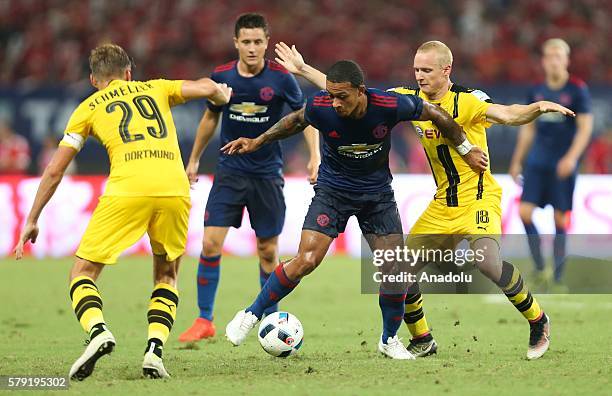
313,170
477,159
240,146
29,233
290,58
565,167
551,107
192,171
223,95
515,172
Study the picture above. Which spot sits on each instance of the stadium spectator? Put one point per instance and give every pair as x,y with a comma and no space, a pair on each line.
482,34
14,151
599,155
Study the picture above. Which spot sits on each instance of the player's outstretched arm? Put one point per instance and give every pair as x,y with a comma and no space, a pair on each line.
293,61
289,125
218,94
206,129
523,114
473,155
51,178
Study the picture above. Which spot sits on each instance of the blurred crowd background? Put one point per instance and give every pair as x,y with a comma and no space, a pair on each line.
44,46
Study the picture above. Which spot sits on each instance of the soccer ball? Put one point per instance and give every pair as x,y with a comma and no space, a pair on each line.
280,334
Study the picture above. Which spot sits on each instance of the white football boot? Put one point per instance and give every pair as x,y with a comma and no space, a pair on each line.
539,338
101,345
394,349
237,330
153,366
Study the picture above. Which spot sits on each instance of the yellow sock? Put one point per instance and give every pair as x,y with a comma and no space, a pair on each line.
518,293
413,312
162,312
86,302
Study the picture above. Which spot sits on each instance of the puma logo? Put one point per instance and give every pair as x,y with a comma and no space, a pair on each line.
170,307
482,228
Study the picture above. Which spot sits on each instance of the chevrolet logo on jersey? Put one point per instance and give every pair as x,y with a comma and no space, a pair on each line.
246,110
360,150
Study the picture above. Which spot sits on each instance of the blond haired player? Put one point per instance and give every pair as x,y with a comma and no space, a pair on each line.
551,148
147,192
467,203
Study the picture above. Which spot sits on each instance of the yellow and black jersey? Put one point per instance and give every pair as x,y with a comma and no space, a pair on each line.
457,184
132,119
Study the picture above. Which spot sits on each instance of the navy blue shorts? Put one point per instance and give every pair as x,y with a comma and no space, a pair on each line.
263,198
330,210
542,186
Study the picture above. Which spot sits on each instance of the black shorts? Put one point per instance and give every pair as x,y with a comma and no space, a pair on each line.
263,198
330,210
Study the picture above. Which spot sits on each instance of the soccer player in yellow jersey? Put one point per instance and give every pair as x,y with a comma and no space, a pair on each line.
147,192
467,203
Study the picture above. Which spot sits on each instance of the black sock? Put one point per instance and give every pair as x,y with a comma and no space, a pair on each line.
155,345
96,330
426,338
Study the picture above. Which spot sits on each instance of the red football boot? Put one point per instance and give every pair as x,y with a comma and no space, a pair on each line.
200,329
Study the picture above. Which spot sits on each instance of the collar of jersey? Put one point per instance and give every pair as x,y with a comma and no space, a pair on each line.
446,96
114,82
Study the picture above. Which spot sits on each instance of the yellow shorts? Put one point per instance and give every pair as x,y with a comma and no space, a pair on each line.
119,222
447,226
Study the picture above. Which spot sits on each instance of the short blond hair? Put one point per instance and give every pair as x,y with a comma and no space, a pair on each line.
556,43
445,56
108,60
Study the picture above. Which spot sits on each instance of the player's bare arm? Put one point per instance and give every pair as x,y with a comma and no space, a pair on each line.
218,94
293,61
522,114
525,139
206,129
584,128
291,124
311,135
51,178
473,155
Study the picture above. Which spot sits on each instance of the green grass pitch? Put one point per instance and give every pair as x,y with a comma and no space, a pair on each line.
482,339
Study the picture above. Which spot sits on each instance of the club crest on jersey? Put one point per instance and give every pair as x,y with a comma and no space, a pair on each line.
323,220
380,131
565,99
247,110
266,94
419,131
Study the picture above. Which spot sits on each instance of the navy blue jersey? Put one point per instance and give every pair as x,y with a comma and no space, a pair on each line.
356,151
555,132
257,103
